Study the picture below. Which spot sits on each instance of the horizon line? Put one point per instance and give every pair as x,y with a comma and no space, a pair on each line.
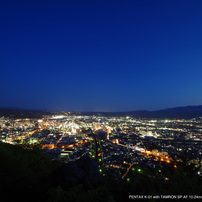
73,111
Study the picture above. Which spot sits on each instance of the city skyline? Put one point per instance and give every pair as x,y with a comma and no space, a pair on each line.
100,56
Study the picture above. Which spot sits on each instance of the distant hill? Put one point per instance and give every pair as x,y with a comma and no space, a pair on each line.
178,112
23,113
186,112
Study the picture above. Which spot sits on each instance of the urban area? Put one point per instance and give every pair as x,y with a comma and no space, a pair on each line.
117,143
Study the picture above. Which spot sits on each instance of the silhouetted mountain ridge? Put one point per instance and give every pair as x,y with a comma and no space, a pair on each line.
185,112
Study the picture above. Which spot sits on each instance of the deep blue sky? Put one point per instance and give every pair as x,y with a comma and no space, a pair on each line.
100,55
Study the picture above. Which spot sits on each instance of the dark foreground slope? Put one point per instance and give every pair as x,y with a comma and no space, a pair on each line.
29,175
20,170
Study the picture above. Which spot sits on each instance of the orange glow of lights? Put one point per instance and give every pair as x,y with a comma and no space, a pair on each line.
50,146
71,145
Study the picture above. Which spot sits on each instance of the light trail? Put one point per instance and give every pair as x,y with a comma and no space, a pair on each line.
127,170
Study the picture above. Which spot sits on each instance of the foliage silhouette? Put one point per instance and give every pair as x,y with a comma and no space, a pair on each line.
22,170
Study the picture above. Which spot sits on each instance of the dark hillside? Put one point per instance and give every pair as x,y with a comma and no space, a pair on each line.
29,175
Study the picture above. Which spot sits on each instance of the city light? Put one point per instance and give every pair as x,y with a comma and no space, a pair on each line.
122,142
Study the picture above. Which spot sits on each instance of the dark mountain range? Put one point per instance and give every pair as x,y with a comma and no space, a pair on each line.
178,112
186,112
24,113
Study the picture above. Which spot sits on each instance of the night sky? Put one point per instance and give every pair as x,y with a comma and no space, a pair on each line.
100,55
